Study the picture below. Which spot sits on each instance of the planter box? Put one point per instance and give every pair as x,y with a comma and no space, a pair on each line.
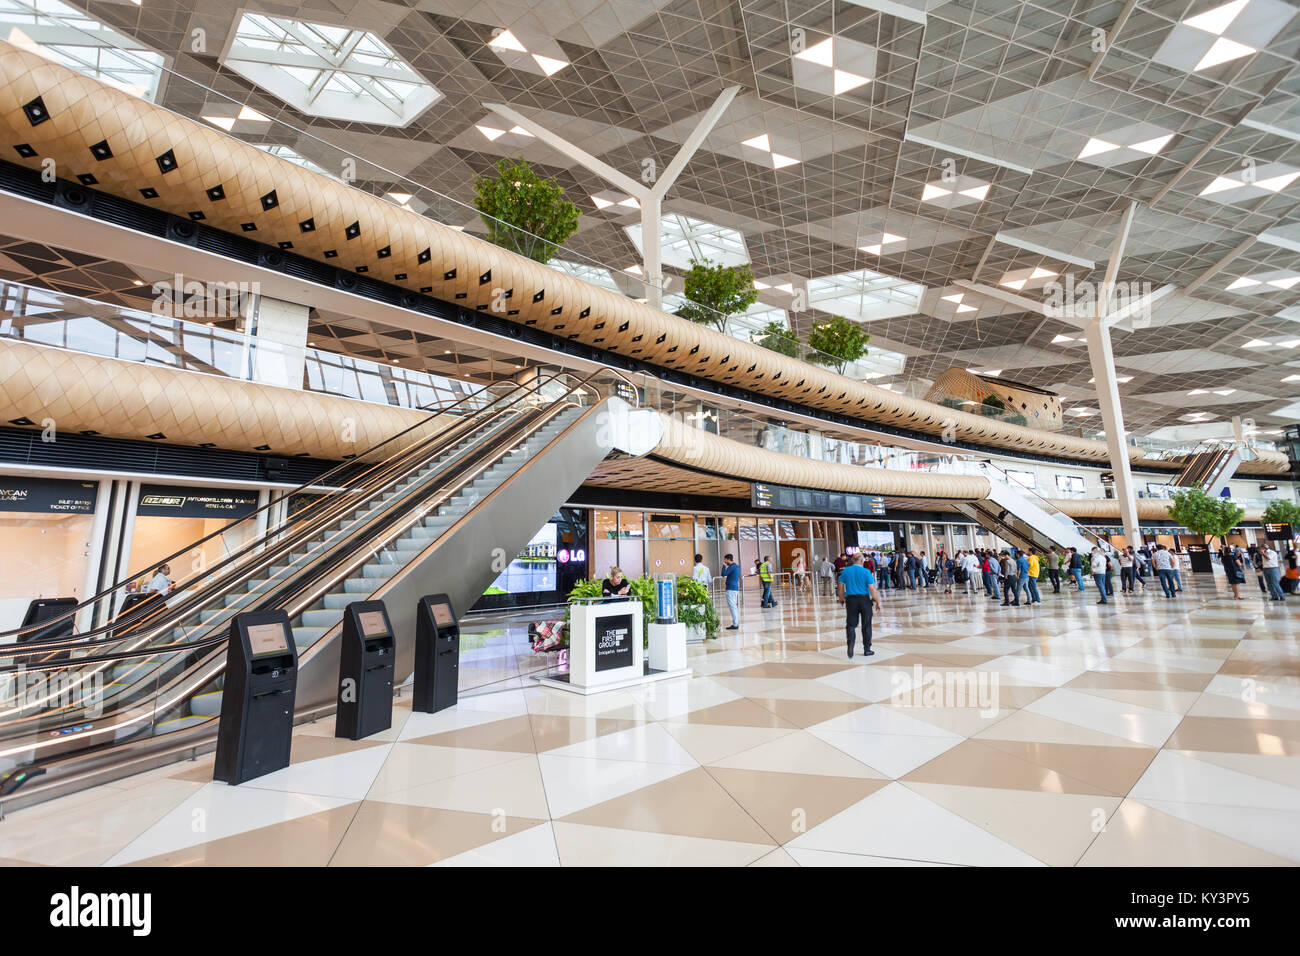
695,634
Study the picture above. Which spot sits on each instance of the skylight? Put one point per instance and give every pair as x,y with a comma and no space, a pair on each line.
1223,34
682,238
587,273
835,65
70,37
532,53
328,71
295,157
864,295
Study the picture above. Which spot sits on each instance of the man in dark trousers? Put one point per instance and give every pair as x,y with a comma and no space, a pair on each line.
857,592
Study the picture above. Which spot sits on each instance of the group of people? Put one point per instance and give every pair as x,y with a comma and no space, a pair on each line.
1277,575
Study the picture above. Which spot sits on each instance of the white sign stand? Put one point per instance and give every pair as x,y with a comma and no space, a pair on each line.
606,650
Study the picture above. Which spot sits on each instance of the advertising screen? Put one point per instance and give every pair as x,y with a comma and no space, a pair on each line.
876,540
533,569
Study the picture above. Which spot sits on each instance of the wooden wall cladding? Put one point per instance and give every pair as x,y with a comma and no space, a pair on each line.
135,149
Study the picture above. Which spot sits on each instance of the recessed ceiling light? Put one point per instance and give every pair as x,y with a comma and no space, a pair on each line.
630,202
505,40
1285,282
601,203
1292,378
490,132
874,250
1061,338
1289,343
843,81
1224,51
932,192
822,53
1224,391
1014,283
1096,146
957,297
759,142
1242,283
976,192
761,285
889,237
1217,20
250,115
634,270
136,282
967,308
780,162
520,131
1153,146
1256,344
400,198
1198,391
1275,184
1041,274
550,65
224,122
1220,184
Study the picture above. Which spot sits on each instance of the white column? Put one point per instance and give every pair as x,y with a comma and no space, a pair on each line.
1112,416
651,264
275,334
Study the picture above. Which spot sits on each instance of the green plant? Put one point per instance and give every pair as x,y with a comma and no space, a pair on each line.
1204,514
524,212
695,607
716,292
836,341
583,589
992,401
778,338
1283,512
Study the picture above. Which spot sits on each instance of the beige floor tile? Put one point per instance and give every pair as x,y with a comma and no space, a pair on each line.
974,763
789,804
1053,827
967,721
388,834
1244,736
303,841
799,752
512,733
514,788
1024,725
689,804
741,713
807,713
710,742
583,845
1137,835
1112,769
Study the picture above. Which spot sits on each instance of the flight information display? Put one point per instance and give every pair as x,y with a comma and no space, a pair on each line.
783,498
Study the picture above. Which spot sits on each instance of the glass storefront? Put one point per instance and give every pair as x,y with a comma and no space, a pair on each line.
172,518
47,527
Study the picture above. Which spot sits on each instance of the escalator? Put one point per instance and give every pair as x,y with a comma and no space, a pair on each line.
433,509
1024,519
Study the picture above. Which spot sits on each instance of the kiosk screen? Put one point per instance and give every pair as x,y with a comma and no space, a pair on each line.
442,615
266,639
372,624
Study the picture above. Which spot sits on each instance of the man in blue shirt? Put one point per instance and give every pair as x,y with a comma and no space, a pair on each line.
731,571
857,592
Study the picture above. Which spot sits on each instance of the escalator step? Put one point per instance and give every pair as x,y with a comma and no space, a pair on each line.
206,705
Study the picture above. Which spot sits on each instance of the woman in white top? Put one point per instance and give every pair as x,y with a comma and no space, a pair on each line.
159,584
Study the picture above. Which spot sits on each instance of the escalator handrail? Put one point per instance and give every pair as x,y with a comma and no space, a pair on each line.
113,589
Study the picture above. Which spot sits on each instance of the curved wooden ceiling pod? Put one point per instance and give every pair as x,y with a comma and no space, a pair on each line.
704,451
1149,509
140,151
124,399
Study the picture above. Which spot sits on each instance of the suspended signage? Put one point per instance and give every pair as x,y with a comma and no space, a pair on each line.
1278,532
47,496
157,501
784,498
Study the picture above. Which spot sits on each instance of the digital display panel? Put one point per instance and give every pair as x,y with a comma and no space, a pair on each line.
782,498
442,615
372,623
266,639
534,568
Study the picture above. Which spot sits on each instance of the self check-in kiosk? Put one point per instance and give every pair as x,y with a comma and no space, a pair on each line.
47,609
257,700
366,660
437,655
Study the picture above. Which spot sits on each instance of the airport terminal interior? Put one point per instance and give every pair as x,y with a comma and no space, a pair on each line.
650,433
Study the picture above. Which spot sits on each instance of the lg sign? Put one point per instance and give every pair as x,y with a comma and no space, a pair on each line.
576,556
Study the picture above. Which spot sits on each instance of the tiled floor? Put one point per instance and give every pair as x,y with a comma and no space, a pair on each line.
1148,732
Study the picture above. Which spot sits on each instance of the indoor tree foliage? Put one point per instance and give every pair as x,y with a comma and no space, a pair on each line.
1283,512
1204,514
778,338
524,212
836,342
716,292
695,607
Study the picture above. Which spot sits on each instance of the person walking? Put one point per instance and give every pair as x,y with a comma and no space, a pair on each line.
1053,561
883,570
731,577
1022,577
826,573
765,576
1074,565
857,592
1163,564
1035,569
1010,589
1098,558
800,573
1270,566
1126,570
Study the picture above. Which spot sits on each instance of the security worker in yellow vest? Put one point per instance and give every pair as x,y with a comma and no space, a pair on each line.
765,575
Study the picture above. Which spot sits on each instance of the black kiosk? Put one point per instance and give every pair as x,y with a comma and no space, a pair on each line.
437,655
366,660
257,701
46,609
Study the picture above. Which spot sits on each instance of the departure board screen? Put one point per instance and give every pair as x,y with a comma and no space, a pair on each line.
771,497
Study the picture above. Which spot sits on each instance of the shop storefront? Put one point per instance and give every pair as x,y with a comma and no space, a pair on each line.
173,518
48,530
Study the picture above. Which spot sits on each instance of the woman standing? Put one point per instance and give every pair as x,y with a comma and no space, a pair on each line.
1233,569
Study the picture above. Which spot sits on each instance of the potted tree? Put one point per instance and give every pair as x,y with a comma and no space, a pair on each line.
778,338
836,342
714,293
524,212
695,609
1204,514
